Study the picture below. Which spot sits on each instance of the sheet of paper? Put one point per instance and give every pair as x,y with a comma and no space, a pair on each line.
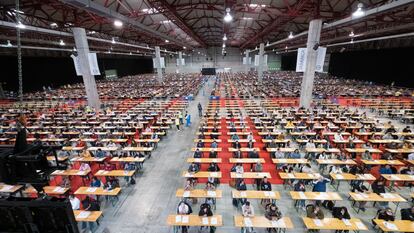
323,196
318,222
239,175
339,177
272,194
302,195
394,177
213,221
185,219
266,193
6,188
248,222
58,190
83,214
211,193
360,225
90,190
358,196
80,173
186,194
178,218
347,222
291,175
243,194
387,195
205,221
282,160
197,160
279,223
390,226
214,174
363,195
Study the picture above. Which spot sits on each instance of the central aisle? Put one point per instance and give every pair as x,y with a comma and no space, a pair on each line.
147,204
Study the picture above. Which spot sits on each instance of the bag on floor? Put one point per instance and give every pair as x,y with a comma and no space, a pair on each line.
132,182
235,202
328,205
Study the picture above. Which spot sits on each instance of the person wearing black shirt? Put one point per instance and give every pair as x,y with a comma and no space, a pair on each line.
407,214
237,154
265,186
378,187
205,211
198,153
236,144
241,186
340,213
200,144
212,154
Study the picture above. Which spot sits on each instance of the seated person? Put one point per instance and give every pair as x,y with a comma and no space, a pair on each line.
236,144
248,211
198,153
407,214
200,144
205,211
272,213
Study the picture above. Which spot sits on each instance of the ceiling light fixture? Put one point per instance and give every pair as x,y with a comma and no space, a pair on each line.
224,37
118,23
290,35
9,44
20,25
61,43
224,45
352,34
184,47
167,41
113,40
53,25
228,18
359,11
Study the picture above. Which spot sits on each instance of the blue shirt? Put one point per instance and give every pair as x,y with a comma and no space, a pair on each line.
384,170
320,186
96,183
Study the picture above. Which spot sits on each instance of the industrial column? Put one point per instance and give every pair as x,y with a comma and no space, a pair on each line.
247,61
260,68
82,49
158,63
180,62
312,45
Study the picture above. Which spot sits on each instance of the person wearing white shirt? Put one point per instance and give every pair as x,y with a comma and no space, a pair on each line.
411,156
338,137
74,202
239,169
310,144
336,169
250,137
247,211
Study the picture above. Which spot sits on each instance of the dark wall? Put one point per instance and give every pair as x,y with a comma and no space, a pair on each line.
289,61
57,71
381,66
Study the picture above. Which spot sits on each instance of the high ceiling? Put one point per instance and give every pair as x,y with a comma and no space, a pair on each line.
175,24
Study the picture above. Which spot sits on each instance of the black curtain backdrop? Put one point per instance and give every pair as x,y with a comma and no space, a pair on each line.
380,66
289,61
57,71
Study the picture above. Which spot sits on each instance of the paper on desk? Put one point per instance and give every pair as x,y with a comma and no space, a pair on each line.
323,195
90,190
347,222
283,160
302,195
58,190
214,174
387,195
248,222
318,222
390,226
80,173
205,221
338,176
243,194
188,174
213,221
211,193
291,175
178,218
271,194
266,193
197,160
394,177
6,188
360,225
83,214
279,223
239,175
185,219
364,195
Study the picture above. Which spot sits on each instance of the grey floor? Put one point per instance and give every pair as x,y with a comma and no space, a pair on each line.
145,206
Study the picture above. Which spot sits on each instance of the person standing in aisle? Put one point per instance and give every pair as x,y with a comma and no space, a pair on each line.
177,123
200,110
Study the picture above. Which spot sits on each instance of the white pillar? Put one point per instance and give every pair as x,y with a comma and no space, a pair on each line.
82,49
247,65
158,58
314,35
180,64
260,68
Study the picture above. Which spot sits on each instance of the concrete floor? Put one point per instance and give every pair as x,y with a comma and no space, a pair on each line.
145,206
